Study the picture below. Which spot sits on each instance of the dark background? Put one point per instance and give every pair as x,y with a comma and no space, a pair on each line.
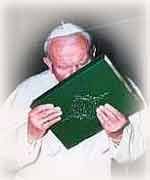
118,31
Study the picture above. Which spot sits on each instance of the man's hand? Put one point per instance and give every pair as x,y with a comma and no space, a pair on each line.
40,119
112,120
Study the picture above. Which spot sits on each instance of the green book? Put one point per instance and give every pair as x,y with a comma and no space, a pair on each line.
97,83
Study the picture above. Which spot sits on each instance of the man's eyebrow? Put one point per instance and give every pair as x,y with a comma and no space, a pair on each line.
63,66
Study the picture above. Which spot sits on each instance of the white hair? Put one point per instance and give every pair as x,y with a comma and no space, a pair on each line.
65,29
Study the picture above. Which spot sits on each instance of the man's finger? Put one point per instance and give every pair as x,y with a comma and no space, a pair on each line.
102,117
110,115
45,113
114,111
50,123
106,121
50,112
119,116
51,117
41,108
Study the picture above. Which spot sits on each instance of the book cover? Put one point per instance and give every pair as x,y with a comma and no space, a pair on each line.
97,83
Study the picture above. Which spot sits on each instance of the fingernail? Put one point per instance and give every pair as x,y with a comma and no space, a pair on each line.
108,105
49,105
101,120
60,112
101,107
59,118
97,109
58,108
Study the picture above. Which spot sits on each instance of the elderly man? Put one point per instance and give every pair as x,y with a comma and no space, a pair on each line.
36,153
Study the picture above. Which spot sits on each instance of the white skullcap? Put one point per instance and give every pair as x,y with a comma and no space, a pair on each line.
65,29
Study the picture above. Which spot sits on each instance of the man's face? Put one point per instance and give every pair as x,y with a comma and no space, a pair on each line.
68,54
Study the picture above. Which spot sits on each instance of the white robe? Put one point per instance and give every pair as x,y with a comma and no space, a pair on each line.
48,158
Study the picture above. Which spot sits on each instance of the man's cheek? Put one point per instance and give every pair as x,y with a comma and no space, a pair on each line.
66,74
61,75
85,58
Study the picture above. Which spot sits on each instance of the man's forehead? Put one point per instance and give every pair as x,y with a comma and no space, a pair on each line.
78,37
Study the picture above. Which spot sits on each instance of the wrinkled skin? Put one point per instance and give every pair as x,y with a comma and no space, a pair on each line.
66,55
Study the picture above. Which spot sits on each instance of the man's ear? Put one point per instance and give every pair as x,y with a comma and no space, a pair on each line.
48,62
93,51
